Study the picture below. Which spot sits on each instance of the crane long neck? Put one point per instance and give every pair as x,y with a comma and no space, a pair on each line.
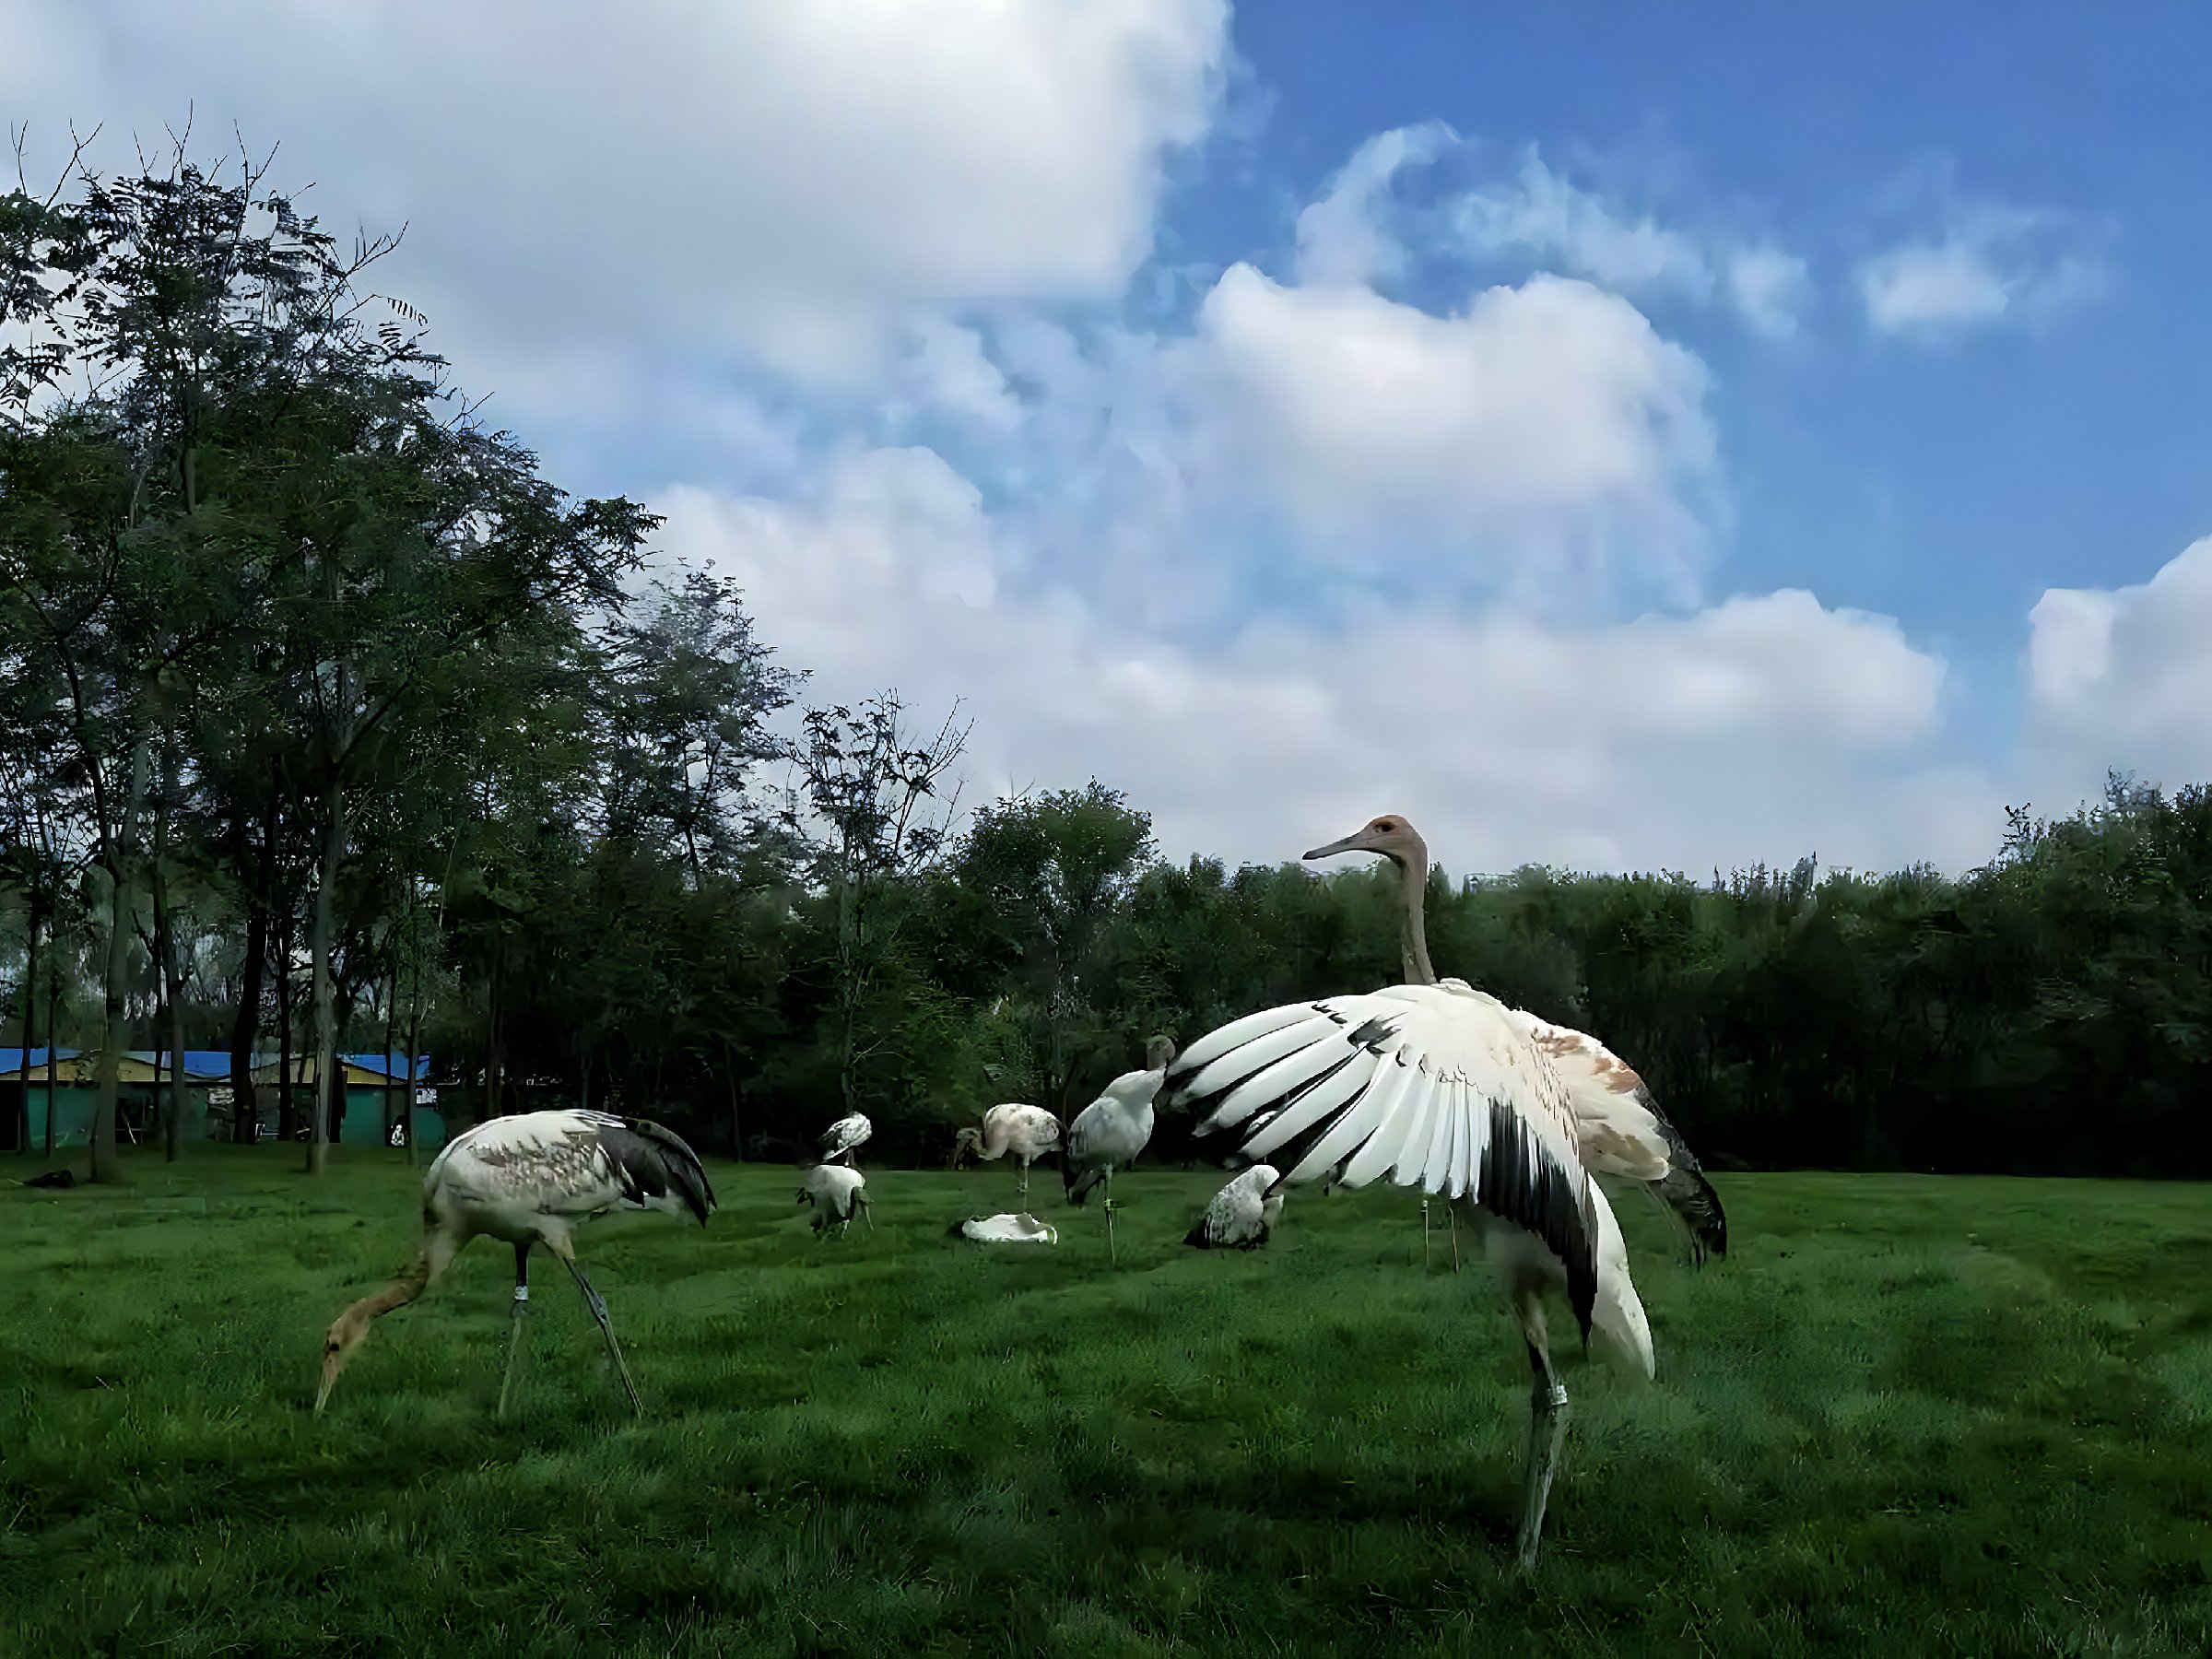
1412,938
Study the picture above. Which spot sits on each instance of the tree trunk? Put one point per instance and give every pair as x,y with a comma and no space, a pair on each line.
330,1086
30,1000
105,1168
246,1028
491,1034
174,1147
169,1019
391,1030
737,1105
288,1114
54,1063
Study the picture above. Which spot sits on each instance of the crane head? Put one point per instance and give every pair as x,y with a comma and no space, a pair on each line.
1390,835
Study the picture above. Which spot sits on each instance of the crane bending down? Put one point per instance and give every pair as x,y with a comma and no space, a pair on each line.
1026,1132
844,1138
528,1180
1439,1085
1108,1133
1243,1213
836,1193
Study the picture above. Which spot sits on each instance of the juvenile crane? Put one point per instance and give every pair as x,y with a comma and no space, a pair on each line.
1439,1085
1026,1132
844,1138
1108,1133
528,1180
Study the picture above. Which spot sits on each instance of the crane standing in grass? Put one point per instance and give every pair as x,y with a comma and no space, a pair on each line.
1436,1083
1108,1133
836,1192
528,1180
1026,1132
845,1137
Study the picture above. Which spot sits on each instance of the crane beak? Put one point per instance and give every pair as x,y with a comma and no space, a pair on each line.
1355,843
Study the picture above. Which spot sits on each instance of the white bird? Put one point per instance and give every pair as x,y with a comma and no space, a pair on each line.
1439,1085
1011,1229
1108,1133
1243,1213
528,1180
1028,1132
844,1138
836,1192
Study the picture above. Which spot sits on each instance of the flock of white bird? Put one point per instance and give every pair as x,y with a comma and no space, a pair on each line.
1429,1081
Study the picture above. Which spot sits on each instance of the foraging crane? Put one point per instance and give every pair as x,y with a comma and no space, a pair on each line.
844,1138
1022,1228
836,1192
1243,1213
528,1180
1108,1133
1442,1086
1028,1132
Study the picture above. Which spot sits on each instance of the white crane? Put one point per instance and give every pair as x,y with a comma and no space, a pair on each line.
528,1180
1108,1133
1007,1229
1439,1085
1026,1132
844,1138
836,1192
1243,1213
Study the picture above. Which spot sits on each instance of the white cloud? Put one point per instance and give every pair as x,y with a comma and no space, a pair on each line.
1543,213
1770,287
1341,242
2120,677
1994,264
778,177
1545,429
1763,727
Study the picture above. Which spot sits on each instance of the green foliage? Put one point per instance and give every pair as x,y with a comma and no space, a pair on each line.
1906,1415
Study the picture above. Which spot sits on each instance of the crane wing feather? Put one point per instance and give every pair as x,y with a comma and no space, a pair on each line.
1485,1114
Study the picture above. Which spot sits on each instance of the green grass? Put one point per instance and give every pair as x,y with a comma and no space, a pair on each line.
1908,1416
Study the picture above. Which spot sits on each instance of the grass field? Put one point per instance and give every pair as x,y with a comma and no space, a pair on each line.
1907,1415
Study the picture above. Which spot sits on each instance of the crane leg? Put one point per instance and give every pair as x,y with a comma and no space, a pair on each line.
1452,1215
1024,1181
1547,1435
518,1326
1112,1254
597,1304
1424,1235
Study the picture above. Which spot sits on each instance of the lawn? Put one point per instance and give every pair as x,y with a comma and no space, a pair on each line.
1907,1414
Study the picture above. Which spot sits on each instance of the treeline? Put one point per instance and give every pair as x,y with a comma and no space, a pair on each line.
327,722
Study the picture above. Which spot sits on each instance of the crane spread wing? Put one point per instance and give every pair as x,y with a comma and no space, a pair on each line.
1624,1133
1432,1085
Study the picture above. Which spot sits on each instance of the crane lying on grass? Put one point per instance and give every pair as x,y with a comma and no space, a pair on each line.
1440,1085
1242,1213
1026,1132
528,1180
1108,1133
836,1192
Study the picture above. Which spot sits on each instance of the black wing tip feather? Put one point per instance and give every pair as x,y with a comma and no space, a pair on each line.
652,1161
1519,1183
1197,1238
1686,1190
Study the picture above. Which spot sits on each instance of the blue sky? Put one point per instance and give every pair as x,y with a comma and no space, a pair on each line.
1611,436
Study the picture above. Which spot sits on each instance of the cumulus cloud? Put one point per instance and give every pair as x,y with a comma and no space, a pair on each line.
1542,429
1341,241
1765,726
778,178
2120,677
1993,265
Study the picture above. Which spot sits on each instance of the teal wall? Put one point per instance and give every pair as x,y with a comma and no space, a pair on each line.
363,1124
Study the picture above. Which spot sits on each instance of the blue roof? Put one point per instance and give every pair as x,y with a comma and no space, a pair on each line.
393,1064
214,1064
